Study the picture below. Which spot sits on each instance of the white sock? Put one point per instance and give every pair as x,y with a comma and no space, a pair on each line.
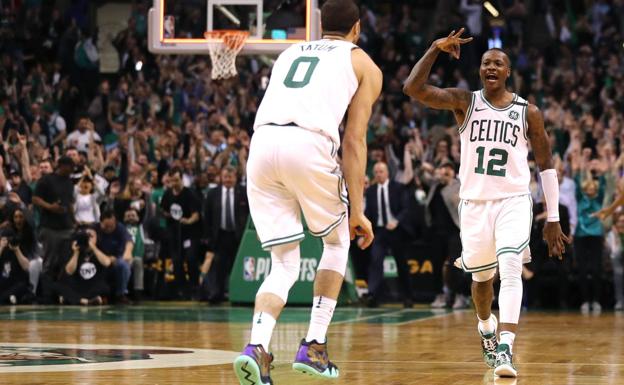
322,312
487,326
508,339
262,329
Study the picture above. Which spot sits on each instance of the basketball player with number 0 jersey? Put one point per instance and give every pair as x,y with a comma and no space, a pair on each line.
495,128
292,168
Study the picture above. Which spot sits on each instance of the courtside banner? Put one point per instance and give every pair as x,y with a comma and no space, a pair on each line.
253,264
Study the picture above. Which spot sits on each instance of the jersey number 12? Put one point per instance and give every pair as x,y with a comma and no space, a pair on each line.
290,81
496,165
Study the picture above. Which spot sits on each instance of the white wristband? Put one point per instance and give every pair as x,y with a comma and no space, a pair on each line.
550,185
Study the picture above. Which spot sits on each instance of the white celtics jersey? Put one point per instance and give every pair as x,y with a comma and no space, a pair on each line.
494,150
311,87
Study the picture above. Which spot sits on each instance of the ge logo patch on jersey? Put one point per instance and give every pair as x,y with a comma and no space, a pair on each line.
514,115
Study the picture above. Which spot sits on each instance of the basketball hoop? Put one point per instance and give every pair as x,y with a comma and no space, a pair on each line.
223,46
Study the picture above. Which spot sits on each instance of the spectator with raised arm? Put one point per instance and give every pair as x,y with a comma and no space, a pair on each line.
88,197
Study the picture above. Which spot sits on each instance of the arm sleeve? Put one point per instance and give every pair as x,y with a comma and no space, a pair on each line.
550,185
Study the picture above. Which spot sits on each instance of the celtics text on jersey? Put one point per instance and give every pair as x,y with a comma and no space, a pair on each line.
494,150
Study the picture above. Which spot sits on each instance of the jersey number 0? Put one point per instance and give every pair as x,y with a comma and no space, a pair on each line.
290,81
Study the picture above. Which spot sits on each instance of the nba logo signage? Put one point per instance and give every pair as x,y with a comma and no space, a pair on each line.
249,269
169,27
256,268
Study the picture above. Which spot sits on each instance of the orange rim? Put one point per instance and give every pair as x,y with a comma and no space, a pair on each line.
233,39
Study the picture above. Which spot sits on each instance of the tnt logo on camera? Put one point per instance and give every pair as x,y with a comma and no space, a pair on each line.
249,269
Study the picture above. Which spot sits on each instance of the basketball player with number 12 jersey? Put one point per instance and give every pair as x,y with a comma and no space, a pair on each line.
495,210
292,169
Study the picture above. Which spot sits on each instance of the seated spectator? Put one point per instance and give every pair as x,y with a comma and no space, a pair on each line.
14,265
115,242
84,281
27,245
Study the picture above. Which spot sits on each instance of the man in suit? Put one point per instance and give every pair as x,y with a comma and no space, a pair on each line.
386,207
226,212
442,219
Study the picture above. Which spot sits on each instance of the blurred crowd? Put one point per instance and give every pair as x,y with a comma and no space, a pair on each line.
132,184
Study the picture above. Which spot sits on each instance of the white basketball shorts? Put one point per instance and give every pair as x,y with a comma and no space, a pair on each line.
492,228
291,170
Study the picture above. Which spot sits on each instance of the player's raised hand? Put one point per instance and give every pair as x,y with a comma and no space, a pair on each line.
451,44
360,225
556,239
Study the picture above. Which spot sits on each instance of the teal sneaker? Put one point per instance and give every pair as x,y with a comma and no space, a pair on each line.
504,362
489,344
312,359
253,366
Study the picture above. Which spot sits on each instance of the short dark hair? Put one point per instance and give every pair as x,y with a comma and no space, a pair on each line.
230,170
175,170
107,214
131,209
339,16
498,50
65,161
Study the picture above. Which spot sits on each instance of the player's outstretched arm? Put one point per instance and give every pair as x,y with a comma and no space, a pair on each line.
454,99
354,142
553,235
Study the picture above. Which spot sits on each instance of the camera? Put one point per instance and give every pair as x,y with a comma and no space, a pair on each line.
81,237
11,237
14,240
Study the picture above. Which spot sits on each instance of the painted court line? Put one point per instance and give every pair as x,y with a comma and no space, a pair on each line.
435,316
365,318
475,362
392,313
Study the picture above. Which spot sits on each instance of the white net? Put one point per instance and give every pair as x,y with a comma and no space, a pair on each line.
223,47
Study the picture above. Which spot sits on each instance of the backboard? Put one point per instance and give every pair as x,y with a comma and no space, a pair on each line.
178,26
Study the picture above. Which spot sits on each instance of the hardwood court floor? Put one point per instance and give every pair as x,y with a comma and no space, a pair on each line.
388,346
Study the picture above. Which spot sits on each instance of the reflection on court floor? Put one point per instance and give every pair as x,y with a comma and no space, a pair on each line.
183,343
